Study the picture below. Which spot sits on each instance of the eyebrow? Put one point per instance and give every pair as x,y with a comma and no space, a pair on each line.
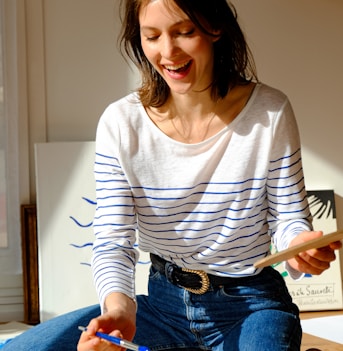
181,22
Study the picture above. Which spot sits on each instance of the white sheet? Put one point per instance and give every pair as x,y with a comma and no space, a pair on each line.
330,328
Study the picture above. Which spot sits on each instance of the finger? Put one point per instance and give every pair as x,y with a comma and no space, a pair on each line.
323,254
336,245
87,343
93,326
111,346
314,264
302,264
105,345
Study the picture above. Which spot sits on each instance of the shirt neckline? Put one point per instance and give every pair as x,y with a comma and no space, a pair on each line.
228,127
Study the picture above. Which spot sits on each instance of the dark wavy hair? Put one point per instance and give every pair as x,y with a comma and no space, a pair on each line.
233,62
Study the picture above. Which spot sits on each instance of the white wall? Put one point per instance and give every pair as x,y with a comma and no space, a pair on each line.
75,69
84,71
298,48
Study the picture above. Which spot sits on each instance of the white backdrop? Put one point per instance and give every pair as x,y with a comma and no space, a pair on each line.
65,208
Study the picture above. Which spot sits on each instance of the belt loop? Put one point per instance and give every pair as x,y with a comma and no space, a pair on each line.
168,271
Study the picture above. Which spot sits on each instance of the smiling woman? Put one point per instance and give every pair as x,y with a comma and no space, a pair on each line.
205,200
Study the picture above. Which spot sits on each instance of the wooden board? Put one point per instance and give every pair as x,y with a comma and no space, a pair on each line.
295,250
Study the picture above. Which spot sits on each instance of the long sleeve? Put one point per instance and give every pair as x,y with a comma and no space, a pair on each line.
289,212
114,256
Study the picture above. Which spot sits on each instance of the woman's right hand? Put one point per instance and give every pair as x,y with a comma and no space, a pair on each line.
119,321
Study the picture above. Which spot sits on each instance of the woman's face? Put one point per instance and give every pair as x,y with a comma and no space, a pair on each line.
178,50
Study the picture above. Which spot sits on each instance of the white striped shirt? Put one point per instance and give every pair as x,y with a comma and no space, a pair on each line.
210,206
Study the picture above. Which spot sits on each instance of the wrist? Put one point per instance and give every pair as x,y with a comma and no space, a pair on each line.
120,301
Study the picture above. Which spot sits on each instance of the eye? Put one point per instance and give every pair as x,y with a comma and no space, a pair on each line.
151,38
149,34
187,33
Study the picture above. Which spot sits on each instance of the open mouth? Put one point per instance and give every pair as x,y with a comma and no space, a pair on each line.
178,68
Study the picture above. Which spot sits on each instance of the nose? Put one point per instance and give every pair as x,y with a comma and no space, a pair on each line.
168,46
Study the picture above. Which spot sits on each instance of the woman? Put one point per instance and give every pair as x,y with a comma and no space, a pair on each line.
205,162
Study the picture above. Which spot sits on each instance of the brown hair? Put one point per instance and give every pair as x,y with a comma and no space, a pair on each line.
233,62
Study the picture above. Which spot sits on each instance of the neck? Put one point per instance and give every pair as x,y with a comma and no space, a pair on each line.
191,109
192,124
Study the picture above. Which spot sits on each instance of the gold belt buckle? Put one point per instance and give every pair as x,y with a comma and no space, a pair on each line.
205,281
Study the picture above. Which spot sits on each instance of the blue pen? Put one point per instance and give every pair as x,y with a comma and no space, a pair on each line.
118,341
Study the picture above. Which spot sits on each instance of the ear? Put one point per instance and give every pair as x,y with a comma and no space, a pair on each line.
216,35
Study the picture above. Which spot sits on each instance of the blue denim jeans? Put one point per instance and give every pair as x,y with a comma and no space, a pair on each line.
57,334
254,314
251,314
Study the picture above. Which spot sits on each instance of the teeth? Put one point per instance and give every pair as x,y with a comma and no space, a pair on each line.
176,67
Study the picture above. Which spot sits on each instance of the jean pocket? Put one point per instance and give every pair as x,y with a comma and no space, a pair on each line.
267,284
154,274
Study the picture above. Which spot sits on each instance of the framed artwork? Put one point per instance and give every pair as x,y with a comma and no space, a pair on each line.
323,292
30,263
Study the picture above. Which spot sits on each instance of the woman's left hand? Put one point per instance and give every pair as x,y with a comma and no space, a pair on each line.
313,261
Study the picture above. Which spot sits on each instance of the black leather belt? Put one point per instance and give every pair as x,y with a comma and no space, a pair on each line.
195,281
